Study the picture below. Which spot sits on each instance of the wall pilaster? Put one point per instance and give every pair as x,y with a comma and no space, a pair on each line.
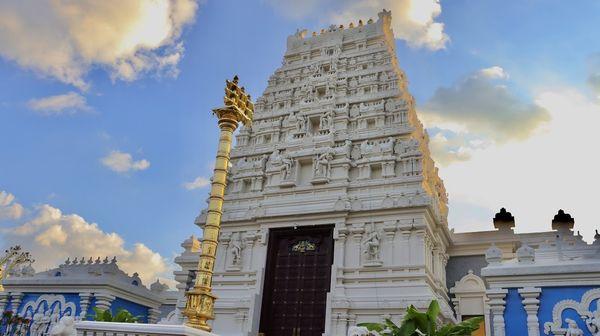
531,303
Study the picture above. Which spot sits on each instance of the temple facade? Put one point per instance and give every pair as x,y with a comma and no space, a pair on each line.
334,214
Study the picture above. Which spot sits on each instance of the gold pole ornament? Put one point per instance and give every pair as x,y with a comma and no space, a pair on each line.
200,300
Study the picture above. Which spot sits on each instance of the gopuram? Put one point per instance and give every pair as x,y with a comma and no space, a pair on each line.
334,214
334,210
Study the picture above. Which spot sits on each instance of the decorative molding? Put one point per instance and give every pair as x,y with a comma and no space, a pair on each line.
583,308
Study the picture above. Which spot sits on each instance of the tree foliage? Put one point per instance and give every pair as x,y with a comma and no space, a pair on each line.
416,323
122,315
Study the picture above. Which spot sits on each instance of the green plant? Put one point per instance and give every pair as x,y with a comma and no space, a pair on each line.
122,315
416,323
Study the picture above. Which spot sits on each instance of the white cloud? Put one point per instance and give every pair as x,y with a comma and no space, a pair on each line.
535,177
121,162
594,73
127,38
52,236
9,208
494,72
447,147
197,183
68,103
481,106
413,21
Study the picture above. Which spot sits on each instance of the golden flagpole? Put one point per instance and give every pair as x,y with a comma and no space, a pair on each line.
238,108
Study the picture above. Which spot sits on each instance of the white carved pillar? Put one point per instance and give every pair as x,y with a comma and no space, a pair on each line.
84,303
531,303
497,304
153,314
103,300
357,231
339,237
248,241
223,250
389,230
4,296
404,253
15,301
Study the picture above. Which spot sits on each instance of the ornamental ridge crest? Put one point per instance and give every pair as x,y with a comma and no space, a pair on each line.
304,246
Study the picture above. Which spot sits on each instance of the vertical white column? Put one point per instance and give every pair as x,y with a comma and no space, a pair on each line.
15,301
103,300
153,314
531,303
3,301
497,304
84,303
389,229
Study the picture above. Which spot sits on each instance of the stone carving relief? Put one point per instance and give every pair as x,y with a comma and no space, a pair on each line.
235,251
590,318
322,167
287,168
372,246
46,311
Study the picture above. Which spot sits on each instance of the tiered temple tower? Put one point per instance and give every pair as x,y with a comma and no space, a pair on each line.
334,212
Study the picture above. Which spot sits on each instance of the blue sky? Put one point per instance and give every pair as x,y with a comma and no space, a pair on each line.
536,57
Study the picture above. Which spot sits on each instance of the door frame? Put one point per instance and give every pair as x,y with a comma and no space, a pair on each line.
274,234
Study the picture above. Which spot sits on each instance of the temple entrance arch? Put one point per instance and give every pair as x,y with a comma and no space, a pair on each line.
297,280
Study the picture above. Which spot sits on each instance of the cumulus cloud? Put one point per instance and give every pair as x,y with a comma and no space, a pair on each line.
447,147
482,104
535,177
122,162
68,103
197,183
594,74
414,21
9,208
127,38
51,236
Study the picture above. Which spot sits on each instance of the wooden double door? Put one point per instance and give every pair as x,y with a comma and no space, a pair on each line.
297,281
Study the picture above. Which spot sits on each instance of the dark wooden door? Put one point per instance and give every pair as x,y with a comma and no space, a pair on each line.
297,282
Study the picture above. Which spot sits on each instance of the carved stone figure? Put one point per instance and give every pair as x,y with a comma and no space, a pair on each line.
274,159
326,121
356,152
346,148
301,123
388,146
323,165
235,247
572,328
371,244
354,110
286,167
593,322
389,105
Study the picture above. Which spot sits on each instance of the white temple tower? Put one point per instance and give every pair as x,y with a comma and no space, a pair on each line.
334,213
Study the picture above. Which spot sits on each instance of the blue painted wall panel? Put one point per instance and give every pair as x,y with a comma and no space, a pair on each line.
550,296
515,316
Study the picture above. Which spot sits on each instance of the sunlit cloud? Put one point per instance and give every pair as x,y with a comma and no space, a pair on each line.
122,162
126,38
197,183
51,236
483,105
414,21
68,103
9,207
534,177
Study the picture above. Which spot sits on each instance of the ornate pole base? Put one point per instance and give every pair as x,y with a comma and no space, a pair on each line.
199,308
